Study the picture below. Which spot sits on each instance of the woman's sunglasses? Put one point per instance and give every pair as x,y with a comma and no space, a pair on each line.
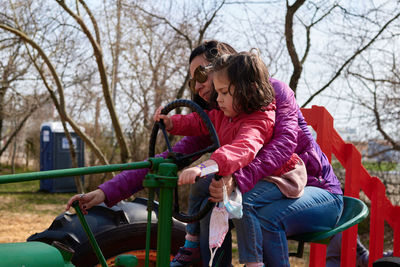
200,75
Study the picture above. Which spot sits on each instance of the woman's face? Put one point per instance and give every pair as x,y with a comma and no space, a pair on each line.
203,89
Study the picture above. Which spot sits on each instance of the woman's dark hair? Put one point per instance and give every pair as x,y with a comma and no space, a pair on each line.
211,50
249,74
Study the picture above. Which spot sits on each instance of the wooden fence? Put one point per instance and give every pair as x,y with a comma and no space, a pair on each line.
356,179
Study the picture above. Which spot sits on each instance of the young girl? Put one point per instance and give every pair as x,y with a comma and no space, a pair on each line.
244,121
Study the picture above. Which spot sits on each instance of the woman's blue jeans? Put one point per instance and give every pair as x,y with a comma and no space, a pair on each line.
271,217
277,217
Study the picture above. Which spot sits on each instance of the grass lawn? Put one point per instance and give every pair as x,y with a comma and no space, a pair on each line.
25,211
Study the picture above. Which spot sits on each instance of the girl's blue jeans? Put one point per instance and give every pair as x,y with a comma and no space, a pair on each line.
199,194
269,217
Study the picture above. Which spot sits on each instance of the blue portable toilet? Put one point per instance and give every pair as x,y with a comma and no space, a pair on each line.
55,154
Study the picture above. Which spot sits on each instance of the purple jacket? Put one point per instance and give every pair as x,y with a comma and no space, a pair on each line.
291,134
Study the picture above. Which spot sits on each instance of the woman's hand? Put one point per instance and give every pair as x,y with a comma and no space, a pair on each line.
188,176
88,200
216,191
166,119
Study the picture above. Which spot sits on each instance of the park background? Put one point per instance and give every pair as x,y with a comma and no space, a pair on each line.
103,67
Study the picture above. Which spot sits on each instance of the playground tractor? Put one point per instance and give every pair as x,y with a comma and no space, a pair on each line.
104,233
138,233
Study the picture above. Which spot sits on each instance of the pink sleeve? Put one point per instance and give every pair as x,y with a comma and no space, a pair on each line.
188,125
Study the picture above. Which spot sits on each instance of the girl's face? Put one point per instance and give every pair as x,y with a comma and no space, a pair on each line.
225,98
203,89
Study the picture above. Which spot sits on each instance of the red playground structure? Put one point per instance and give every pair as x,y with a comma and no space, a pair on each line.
356,179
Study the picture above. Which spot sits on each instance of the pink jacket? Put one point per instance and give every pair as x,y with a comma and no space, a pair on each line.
240,137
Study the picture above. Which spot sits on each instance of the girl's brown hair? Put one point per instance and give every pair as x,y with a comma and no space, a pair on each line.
249,74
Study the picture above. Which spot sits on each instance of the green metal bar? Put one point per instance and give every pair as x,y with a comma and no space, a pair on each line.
150,203
167,185
166,180
89,233
164,228
23,177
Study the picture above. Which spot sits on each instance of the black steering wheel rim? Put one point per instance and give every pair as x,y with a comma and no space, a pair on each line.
183,160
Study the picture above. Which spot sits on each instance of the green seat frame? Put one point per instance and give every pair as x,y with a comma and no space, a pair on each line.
354,212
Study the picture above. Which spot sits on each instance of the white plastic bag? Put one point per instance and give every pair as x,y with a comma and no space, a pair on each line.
233,204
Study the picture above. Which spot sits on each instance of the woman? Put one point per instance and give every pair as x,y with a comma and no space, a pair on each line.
286,217
321,194
244,122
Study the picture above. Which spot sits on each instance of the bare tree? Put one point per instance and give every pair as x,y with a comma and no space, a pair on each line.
157,62
136,55
321,38
382,26
19,109
191,33
59,101
145,70
377,90
98,53
19,120
13,68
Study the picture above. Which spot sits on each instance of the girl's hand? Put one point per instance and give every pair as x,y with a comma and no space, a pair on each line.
88,200
188,176
216,191
167,121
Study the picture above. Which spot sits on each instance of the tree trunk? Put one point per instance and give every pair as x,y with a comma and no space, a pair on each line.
125,153
14,152
297,66
94,179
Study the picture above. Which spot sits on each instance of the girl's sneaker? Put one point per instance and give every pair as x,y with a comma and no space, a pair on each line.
186,257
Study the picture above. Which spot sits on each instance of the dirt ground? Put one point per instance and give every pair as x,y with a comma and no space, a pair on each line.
18,227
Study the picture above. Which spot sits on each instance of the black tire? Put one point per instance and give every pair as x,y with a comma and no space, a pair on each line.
387,262
119,229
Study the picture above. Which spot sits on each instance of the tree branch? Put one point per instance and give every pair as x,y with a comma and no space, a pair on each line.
59,86
297,66
125,152
358,52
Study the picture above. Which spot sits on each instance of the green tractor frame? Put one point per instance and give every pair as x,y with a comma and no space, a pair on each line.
121,235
